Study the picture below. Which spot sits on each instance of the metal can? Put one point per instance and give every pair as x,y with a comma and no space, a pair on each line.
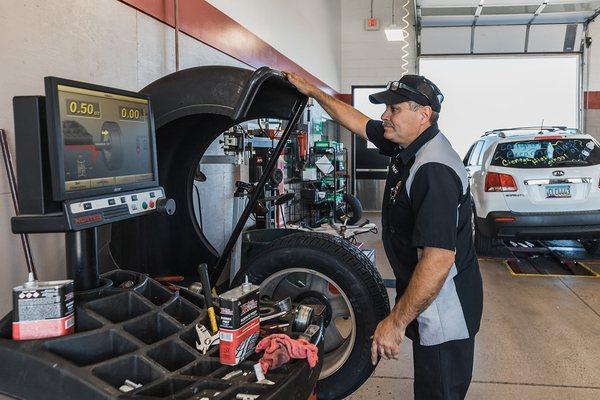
43,310
239,325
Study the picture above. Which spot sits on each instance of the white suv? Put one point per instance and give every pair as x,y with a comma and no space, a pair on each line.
532,183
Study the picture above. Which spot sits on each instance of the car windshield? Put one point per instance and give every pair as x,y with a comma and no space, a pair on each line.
546,153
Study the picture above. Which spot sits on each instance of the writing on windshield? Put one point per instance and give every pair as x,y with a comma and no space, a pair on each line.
546,153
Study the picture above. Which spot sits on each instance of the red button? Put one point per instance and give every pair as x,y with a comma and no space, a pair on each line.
151,203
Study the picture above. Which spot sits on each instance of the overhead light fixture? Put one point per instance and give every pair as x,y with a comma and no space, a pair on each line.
393,33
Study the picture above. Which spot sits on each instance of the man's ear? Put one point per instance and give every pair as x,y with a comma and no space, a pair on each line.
426,113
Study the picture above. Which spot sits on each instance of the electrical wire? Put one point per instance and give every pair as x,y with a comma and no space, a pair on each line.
404,27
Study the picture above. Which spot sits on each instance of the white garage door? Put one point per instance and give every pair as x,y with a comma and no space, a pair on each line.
484,93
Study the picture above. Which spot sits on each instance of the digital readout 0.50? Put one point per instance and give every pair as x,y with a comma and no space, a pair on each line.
131,113
83,108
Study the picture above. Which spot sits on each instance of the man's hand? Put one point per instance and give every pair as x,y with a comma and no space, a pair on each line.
303,86
425,284
345,114
387,339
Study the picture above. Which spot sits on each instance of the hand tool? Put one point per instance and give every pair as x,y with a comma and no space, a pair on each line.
203,271
205,339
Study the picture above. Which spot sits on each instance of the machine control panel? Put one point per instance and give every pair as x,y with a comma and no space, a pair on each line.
111,208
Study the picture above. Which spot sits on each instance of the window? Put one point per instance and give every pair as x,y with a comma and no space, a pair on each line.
480,158
548,153
473,159
361,103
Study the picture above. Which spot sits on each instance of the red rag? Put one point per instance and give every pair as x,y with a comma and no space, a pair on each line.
280,348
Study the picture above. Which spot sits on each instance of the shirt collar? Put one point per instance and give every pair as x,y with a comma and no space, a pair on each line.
412,149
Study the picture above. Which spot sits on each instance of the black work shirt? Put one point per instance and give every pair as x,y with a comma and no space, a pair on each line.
427,203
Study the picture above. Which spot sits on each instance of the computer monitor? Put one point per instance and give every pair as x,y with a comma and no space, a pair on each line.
101,140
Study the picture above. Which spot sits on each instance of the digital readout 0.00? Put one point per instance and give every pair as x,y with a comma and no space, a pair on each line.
131,113
83,108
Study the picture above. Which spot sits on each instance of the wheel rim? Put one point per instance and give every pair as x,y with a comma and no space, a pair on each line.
340,334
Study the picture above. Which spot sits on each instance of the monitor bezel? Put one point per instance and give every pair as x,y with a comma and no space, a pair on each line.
56,147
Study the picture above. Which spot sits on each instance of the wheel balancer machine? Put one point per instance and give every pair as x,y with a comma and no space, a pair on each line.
86,157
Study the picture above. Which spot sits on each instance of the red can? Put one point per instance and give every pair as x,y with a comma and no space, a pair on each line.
43,310
239,326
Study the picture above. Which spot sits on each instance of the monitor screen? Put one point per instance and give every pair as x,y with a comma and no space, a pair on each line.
103,139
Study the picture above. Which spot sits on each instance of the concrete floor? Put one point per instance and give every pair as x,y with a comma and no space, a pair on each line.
538,340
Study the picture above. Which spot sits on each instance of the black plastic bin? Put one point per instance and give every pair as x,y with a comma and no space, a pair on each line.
144,334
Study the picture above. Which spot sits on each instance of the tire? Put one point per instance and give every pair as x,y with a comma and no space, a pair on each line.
483,244
352,210
113,156
591,246
333,272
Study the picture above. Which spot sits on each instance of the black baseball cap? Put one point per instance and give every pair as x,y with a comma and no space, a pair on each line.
410,87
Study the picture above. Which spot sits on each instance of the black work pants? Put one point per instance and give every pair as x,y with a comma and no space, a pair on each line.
444,371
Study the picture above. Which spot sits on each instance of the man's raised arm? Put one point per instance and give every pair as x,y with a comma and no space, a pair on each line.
345,114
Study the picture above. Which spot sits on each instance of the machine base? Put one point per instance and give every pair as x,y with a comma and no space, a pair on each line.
144,334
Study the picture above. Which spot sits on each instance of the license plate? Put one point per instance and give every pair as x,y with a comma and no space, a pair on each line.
558,191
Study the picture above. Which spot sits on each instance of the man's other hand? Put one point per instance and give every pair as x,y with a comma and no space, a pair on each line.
387,339
300,83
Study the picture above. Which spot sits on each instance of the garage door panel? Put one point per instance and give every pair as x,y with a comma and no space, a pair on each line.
446,40
513,19
455,20
499,39
553,38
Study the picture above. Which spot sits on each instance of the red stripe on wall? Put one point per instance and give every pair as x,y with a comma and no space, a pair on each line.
591,100
204,22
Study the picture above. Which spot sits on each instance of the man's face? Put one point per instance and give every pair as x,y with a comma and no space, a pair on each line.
403,123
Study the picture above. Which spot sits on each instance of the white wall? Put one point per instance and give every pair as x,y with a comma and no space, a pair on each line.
593,58
592,78
101,41
367,57
307,32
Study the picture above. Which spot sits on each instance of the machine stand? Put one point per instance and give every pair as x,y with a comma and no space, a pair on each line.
82,258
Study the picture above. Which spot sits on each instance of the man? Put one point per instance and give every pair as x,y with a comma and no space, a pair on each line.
427,235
